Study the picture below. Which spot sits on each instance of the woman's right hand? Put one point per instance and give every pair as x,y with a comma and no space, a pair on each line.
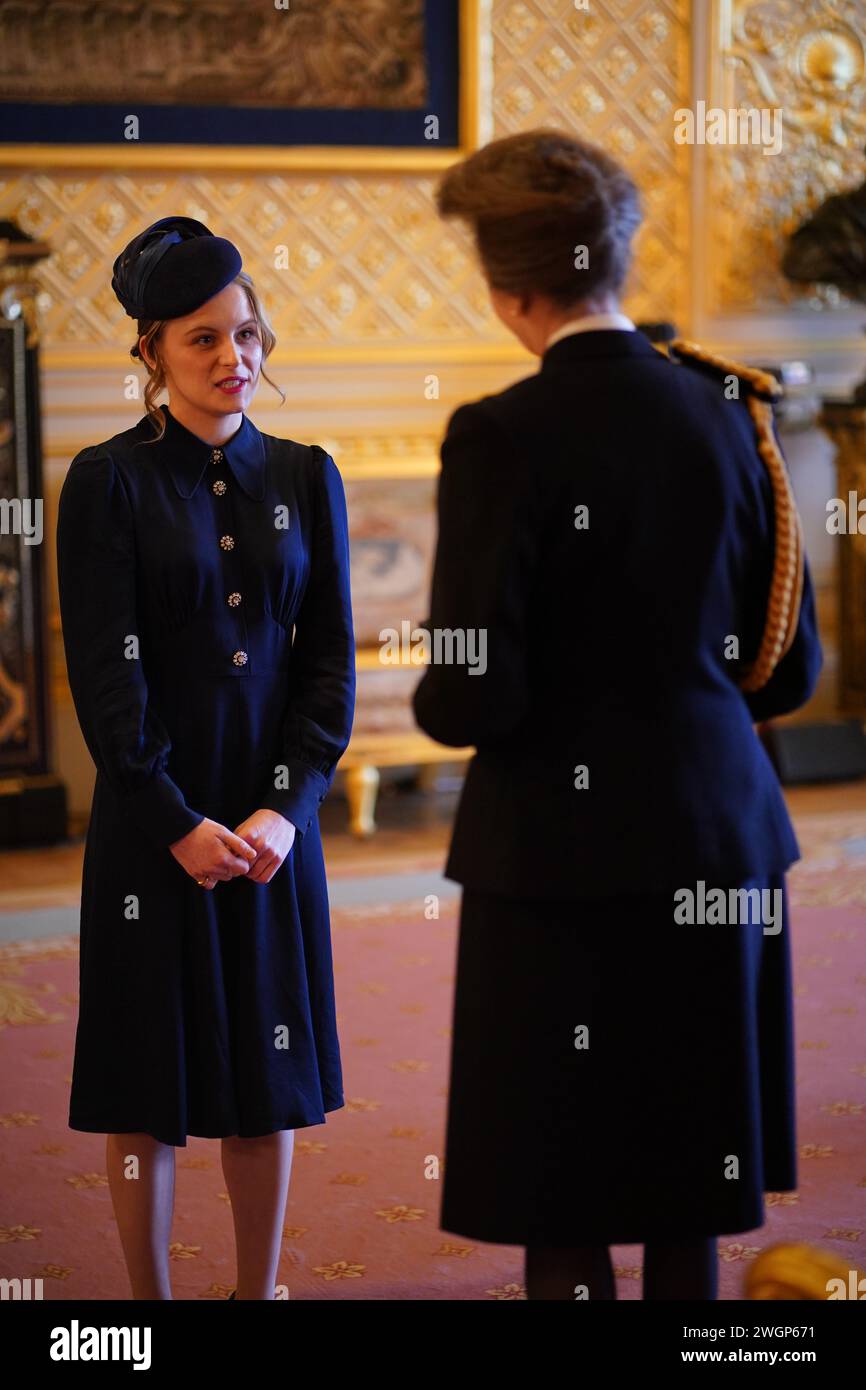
212,852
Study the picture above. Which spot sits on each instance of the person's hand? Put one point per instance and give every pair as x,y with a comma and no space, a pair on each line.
272,836
212,852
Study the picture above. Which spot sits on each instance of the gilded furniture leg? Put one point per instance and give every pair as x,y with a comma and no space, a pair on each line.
362,787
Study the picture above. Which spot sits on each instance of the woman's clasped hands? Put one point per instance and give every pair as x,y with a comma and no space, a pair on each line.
255,849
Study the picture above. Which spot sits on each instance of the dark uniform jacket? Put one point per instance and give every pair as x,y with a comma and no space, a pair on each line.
615,751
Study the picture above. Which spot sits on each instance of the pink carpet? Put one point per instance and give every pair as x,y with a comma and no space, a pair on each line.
362,1219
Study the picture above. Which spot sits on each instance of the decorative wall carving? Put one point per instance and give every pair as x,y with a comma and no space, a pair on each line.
808,59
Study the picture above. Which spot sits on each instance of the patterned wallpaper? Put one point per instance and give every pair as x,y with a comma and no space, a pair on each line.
369,260
377,288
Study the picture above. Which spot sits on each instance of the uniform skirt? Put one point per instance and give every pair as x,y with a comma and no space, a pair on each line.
617,1076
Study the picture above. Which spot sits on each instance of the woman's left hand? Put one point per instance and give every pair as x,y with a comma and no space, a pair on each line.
272,836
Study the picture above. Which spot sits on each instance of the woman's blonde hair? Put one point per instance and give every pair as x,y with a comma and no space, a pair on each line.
531,199
149,330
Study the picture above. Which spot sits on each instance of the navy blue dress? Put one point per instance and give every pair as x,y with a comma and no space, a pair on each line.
605,530
207,622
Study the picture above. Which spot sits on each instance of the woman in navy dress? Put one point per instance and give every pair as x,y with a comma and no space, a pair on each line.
618,544
204,589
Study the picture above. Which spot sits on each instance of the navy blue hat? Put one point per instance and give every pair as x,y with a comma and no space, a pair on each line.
172,267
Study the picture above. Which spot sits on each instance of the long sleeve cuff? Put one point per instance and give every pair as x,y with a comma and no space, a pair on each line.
300,800
159,810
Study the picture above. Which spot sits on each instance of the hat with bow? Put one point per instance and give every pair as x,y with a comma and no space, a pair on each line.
173,267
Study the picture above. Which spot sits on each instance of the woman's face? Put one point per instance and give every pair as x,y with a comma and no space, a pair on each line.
213,356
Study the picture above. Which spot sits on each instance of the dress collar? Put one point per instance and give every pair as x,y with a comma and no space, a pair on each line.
188,458
586,323
604,342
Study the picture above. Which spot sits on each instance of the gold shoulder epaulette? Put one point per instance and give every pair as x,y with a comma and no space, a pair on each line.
762,383
786,588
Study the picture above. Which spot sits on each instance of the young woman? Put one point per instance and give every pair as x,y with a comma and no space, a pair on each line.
612,525
188,549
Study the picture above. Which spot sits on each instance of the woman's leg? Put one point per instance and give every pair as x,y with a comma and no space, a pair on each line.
687,1269
563,1272
143,1197
257,1173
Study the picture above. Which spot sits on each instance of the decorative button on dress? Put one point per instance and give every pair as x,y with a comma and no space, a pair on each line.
183,571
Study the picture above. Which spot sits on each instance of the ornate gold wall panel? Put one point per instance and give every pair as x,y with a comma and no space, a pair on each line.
614,75
806,58
371,267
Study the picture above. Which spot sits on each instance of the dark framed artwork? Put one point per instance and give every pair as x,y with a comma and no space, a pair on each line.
264,83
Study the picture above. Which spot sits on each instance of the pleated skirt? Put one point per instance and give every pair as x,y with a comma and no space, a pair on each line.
617,1076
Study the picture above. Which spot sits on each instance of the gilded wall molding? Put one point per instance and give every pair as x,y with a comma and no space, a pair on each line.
806,59
366,455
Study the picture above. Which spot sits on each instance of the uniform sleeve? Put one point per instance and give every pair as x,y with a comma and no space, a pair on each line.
318,721
96,563
794,679
482,572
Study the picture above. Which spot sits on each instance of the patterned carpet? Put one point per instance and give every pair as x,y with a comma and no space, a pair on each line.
362,1219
